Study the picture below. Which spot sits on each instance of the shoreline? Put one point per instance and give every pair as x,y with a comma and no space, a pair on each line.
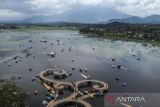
153,43
22,28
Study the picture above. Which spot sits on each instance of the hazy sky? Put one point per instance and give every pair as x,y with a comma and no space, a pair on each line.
18,9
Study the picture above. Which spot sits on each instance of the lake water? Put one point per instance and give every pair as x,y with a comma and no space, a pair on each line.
142,61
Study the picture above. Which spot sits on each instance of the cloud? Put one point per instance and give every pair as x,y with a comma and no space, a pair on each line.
21,8
6,13
123,3
139,7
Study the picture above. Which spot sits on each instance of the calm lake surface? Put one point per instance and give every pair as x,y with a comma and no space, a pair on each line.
142,61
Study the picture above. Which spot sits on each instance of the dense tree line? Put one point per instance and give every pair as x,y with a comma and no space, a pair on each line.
121,30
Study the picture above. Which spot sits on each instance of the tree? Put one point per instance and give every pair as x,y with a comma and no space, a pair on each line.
11,95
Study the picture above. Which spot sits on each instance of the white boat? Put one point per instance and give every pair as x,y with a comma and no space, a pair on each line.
86,77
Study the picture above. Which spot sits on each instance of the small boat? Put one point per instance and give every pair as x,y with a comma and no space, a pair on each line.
52,54
91,96
124,68
48,98
124,84
48,87
44,103
33,79
80,93
35,92
86,77
72,60
19,76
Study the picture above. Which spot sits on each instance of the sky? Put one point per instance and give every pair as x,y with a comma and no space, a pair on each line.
21,9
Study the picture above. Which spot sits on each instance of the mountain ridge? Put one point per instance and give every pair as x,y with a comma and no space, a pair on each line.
78,15
152,19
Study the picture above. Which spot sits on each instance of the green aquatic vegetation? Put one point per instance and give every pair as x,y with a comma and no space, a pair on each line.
5,49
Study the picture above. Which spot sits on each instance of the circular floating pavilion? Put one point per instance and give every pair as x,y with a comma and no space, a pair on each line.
60,73
72,99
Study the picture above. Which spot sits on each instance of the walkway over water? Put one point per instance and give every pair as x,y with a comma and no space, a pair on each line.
56,86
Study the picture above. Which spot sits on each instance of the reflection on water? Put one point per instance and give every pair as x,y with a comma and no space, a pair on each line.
96,55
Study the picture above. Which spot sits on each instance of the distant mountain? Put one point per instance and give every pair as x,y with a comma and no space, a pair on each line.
153,19
86,14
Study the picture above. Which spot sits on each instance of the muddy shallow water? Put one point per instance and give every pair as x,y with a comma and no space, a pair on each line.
142,61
